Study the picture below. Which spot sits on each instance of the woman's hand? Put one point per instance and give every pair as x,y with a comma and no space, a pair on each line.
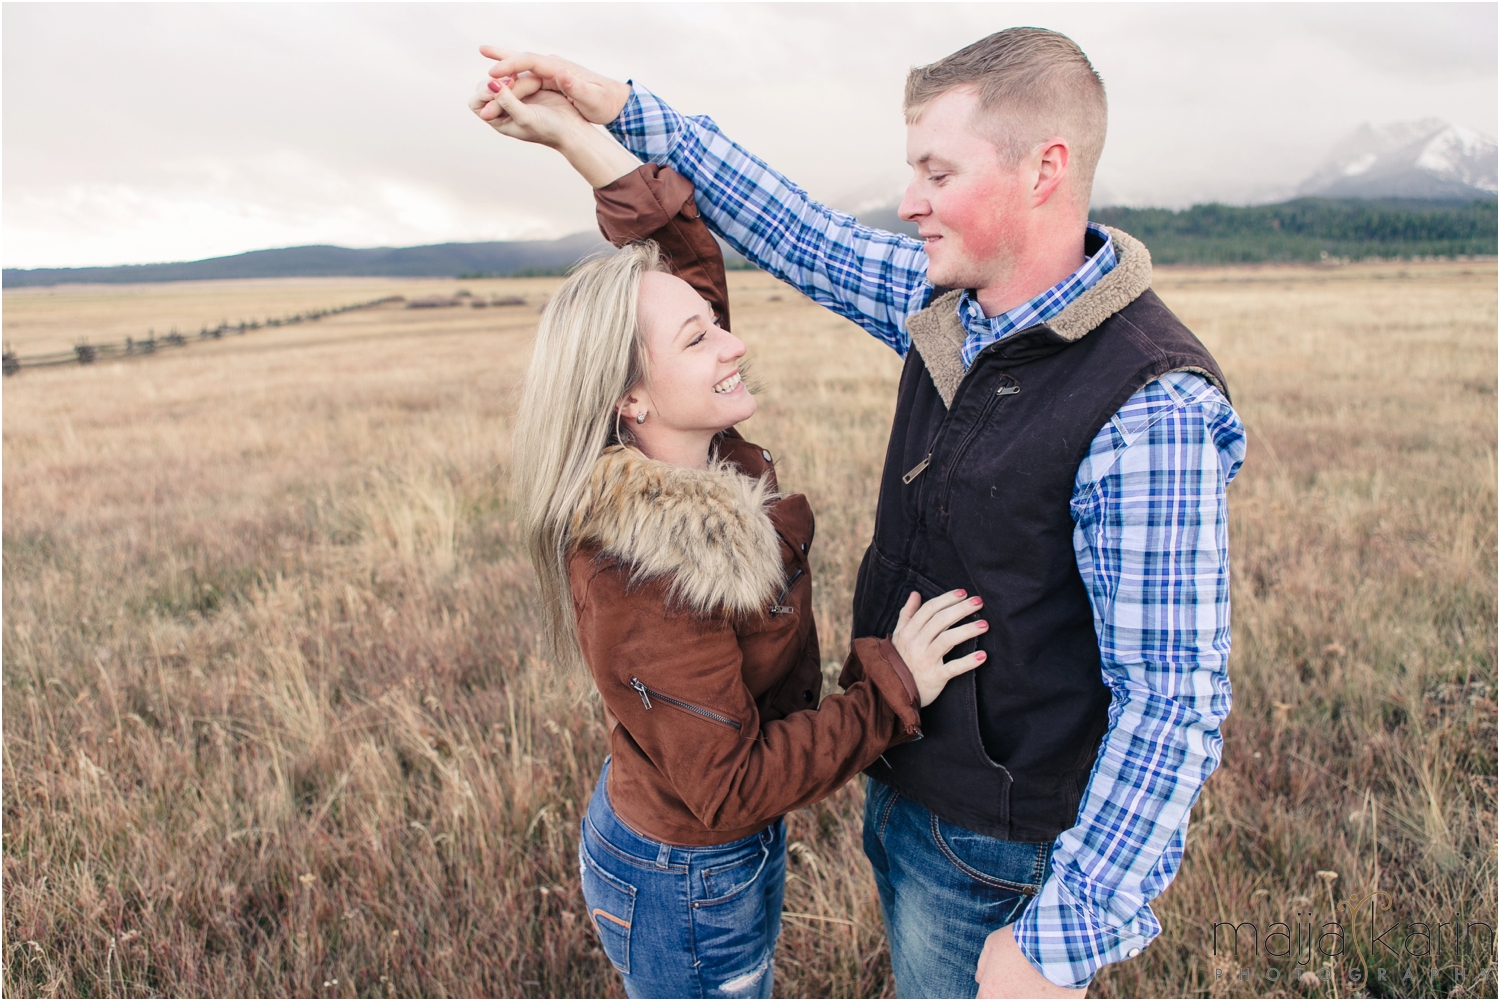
523,110
598,98
923,638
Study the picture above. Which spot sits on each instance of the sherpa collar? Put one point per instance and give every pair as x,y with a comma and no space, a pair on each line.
707,529
938,334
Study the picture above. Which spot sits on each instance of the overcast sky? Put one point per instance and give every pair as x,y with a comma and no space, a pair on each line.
139,132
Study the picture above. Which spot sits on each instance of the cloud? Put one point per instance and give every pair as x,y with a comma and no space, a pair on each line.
1442,42
139,132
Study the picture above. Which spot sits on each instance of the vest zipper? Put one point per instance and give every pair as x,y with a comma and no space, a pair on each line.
646,694
916,470
778,608
973,431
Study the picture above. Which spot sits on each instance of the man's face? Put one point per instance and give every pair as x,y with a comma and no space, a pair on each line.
968,204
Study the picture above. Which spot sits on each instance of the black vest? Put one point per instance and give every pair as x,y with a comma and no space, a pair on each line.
975,494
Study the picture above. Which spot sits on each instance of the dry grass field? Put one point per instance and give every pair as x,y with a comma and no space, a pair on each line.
275,723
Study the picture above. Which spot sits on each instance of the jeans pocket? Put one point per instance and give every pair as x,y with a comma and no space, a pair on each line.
1006,866
880,798
611,904
724,882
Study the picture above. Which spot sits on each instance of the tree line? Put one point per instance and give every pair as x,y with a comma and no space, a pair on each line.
1309,229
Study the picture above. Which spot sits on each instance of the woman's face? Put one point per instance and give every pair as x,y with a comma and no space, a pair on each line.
694,385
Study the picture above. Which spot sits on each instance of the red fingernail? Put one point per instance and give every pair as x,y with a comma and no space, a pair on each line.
983,624
494,87
960,592
979,655
976,601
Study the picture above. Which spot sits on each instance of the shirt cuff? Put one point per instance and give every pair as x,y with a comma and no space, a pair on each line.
1064,939
647,125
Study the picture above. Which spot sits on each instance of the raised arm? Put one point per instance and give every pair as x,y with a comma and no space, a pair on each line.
656,203
544,117
875,278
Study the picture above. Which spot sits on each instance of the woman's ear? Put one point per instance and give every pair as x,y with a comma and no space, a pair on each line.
632,403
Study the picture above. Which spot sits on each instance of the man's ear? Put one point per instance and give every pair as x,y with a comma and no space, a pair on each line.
1052,158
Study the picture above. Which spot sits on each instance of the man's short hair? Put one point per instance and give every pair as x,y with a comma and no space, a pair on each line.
1033,84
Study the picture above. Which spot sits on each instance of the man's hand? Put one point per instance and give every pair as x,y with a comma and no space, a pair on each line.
597,98
1005,972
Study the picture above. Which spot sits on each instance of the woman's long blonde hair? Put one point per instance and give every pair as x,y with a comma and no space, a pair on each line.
590,352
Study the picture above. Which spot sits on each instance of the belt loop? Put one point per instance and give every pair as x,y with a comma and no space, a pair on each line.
663,856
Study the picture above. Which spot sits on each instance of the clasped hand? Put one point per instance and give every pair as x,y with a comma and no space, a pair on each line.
529,96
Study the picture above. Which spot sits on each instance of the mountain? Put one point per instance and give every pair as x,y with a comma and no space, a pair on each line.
887,219
442,260
1427,159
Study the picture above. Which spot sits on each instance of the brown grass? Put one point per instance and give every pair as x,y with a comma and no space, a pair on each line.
275,723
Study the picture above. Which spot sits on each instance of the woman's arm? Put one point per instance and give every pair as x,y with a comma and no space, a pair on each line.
674,681
546,118
729,768
874,278
656,203
635,201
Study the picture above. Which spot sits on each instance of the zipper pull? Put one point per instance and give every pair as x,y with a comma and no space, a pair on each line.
917,469
778,608
645,696
1007,390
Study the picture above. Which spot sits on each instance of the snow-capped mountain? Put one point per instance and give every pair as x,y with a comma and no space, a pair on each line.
1423,159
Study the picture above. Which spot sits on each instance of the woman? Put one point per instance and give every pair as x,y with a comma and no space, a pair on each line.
669,564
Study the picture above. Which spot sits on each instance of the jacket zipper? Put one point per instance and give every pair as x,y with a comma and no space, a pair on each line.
647,693
778,608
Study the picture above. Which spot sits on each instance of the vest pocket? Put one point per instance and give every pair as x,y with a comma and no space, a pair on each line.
611,904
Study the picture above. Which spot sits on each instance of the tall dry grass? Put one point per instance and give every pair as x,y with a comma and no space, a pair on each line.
275,722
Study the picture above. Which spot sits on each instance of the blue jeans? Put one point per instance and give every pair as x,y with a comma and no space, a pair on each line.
683,922
943,889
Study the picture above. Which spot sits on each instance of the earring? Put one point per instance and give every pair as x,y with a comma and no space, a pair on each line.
640,418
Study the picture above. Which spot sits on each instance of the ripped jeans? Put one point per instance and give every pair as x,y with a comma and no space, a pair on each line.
683,922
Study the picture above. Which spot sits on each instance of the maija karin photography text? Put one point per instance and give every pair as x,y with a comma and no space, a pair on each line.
1394,951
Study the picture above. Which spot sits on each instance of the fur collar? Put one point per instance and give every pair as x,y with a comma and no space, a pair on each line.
938,334
708,529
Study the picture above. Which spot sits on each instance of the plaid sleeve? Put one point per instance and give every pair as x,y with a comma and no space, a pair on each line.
1151,539
875,278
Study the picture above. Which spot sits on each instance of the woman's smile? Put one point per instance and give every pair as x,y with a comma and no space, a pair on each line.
730,384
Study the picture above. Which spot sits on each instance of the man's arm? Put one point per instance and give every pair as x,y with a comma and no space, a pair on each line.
1151,539
875,278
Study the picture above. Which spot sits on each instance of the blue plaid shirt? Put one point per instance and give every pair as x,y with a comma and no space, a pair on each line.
1150,538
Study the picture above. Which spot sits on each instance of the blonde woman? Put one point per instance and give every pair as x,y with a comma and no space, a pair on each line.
669,564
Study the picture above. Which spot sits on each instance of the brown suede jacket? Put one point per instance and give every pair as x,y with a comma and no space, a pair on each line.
694,607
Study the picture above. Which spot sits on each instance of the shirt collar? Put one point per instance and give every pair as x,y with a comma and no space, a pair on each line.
983,331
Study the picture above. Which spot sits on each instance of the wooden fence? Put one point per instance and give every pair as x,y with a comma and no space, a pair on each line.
85,353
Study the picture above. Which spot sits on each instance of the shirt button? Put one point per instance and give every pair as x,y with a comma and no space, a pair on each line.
807,695
765,455
1133,953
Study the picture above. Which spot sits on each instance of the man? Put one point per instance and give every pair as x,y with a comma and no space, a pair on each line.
1061,447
